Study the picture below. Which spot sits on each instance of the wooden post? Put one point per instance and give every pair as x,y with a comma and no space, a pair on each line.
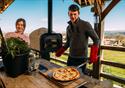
97,66
99,28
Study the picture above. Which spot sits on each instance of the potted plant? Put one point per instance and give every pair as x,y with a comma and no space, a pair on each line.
15,56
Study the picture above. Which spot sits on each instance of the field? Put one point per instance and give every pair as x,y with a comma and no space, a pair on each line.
114,56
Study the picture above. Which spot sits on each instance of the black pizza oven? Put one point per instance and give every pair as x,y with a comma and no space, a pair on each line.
49,42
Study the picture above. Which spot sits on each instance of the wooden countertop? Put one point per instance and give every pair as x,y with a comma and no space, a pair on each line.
38,80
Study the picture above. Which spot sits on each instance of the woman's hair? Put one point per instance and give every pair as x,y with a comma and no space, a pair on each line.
21,19
73,7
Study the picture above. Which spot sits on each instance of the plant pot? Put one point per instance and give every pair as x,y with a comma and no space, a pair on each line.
16,66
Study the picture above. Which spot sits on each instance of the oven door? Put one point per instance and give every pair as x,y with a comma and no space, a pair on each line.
50,42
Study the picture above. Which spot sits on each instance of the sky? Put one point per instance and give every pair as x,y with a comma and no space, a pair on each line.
36,15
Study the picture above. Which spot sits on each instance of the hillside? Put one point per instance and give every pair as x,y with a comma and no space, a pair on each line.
114,33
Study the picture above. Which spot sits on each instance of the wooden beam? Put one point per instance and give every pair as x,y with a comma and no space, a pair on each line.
57,60
109,8
113,48
5,4
114,78
114,64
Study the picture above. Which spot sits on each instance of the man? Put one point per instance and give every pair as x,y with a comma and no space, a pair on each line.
19,33
78,32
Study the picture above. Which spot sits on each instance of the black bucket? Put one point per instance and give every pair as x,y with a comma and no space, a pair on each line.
16,66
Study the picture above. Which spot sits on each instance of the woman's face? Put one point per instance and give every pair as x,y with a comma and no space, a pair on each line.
73,15
20,27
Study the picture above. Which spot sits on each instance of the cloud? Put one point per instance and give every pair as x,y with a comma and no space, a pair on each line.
44,20
59,28
114,29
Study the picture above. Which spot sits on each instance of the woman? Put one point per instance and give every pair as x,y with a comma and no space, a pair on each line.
19,33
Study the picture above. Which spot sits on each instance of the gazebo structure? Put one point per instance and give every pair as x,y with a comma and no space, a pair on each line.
100,12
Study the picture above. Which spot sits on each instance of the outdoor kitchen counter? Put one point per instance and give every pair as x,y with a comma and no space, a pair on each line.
39,80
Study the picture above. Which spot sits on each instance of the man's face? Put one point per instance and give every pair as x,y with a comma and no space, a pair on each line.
20,27
73,15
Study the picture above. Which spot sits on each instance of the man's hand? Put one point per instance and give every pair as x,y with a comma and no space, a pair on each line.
60,52
94,54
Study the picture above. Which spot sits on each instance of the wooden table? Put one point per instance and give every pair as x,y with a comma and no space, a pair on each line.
38,80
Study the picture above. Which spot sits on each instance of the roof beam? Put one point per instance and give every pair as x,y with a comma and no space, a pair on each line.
108,9
4,4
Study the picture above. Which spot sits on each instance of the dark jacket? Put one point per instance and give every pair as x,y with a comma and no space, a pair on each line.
77,38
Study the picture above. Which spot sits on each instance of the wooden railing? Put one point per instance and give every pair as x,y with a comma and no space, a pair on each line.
114,64
109,63
113,48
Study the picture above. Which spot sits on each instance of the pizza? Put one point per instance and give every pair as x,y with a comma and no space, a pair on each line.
66,74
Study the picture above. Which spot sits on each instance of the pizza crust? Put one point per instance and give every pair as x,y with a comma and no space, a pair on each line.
66,74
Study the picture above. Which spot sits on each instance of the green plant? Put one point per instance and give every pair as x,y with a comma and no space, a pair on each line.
16,46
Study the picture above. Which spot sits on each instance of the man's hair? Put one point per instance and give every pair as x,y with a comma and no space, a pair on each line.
21,19
73,7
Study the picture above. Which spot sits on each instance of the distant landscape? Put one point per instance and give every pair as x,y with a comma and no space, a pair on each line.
114,33
114,38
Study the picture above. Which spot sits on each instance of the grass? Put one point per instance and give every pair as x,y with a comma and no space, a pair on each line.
114,56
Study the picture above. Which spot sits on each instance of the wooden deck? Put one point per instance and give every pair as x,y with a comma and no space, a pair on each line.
40,80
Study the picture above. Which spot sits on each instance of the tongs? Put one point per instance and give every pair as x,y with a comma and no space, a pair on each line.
87,61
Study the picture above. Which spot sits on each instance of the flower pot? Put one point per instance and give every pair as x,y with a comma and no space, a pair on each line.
16,66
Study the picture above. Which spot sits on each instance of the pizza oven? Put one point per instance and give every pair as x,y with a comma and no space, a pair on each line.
50,43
